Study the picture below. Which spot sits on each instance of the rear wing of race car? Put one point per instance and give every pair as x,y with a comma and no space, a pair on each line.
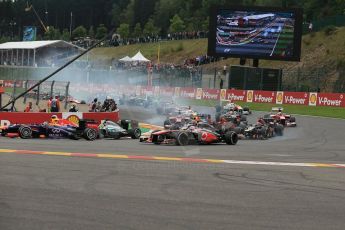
277,109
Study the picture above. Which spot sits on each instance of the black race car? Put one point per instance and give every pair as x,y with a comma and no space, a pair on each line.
57,131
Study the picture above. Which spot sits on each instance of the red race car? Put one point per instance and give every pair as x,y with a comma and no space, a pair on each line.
281,118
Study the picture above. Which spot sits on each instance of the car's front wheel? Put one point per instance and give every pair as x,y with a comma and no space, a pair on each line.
182,139
231,138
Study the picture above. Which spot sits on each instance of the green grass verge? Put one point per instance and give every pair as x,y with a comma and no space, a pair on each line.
333,112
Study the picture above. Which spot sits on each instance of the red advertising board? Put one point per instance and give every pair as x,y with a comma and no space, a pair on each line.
293,98
7,118
210,94
264,97
236,95
166,91
331,99
188,93
280,97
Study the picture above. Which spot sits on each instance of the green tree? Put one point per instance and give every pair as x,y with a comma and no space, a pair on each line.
150,29
115,15
65,35
123,30
79,32
176,24
164,10
137,32
205,24
101,31
4,39
52,34
91,32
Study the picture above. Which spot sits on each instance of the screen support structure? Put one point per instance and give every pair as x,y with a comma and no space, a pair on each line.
242,61
256,63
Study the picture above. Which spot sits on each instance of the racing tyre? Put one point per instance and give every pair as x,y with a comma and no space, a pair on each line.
90,134
264,133
25,132
182,139
279,130
136,134
231,138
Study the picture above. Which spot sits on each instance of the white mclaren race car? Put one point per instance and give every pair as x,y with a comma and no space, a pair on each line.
237,108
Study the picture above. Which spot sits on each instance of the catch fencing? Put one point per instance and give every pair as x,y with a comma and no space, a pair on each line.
44,91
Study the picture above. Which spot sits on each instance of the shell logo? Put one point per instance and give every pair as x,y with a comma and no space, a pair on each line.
279,99
312,99
177,91
199,93
250,96
223,94
74,119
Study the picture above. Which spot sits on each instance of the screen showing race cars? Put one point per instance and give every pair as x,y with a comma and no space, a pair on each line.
256,34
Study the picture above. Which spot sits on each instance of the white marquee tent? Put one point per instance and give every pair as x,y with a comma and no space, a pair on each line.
126,59
140,58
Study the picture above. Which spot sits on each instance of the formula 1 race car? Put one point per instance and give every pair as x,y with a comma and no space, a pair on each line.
237,108
165,108
192,135
63,129
125,128
260,131
278,116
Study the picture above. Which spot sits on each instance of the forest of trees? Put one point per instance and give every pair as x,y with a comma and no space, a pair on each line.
132,18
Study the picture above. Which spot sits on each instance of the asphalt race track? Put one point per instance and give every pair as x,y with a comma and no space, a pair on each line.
251,191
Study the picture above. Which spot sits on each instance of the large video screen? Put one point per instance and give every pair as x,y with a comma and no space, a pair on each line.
259,33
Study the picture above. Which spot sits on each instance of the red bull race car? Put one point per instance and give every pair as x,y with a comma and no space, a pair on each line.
57,129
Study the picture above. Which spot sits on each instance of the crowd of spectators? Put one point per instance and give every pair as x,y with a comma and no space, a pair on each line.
116,39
